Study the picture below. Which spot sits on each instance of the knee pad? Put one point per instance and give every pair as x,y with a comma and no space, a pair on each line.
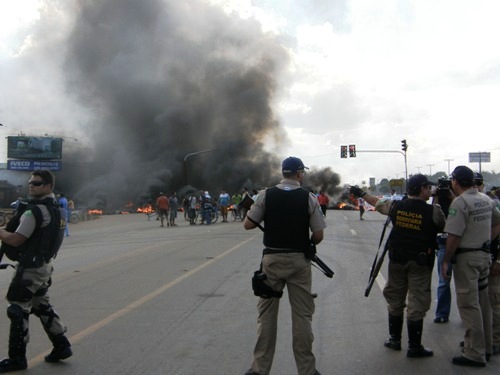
19,293
46,314
15,313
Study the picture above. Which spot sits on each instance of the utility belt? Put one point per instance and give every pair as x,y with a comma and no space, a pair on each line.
462,250
34,261
267,251
422,258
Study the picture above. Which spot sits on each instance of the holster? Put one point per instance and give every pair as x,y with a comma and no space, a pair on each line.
260,288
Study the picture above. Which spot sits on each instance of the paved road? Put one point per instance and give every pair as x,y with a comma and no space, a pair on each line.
140,299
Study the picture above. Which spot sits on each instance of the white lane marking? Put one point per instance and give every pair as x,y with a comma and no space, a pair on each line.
141,301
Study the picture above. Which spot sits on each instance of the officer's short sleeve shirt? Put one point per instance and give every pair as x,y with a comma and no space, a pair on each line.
471,216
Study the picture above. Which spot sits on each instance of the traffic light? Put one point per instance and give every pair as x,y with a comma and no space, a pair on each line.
343,152
404,146
352,151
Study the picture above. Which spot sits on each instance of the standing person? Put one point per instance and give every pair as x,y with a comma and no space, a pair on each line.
206,202
63,202
32,238
324,201
224,204
16,203
361,206
412,244
193,203
201,201
162,208
443,196
243,206
71,207
493,279
289,212
173,205
236,199
473,219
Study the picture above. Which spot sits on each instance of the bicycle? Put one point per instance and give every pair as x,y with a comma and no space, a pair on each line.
235,212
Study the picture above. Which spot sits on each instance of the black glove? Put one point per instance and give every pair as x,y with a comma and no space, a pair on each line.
356,191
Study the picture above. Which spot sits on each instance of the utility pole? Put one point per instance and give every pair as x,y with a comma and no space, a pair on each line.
430,169
448,160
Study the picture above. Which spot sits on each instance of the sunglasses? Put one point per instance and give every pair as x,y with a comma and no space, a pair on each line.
36,183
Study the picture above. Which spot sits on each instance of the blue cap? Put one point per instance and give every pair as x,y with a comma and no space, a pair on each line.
292,165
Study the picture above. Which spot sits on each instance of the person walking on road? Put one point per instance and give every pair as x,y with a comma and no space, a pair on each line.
412,244
32,239
290,213
473,220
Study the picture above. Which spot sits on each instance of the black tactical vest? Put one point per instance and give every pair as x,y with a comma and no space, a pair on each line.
413,228
287,219
45,242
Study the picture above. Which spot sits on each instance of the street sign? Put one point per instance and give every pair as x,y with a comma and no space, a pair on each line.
479,157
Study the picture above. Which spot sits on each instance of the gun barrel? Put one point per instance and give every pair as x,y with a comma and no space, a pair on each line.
326,270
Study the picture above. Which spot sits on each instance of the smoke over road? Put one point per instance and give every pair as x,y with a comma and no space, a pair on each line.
164,79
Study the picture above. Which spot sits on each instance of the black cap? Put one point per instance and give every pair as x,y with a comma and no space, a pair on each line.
417,181
478,178
463,175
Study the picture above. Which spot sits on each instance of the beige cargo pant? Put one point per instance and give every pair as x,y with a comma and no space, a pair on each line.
411,282
470,274
293,271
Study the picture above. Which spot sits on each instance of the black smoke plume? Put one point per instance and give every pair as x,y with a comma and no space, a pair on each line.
181,96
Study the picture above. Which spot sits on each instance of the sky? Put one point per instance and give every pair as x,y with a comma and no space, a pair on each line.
362,72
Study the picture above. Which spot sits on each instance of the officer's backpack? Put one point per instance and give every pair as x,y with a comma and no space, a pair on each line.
45,242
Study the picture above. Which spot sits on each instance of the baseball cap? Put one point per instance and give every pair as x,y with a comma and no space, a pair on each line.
478,178
417,181
292,165
463,174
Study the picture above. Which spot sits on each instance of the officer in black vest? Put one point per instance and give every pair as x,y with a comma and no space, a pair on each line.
290,213
412,245
32,239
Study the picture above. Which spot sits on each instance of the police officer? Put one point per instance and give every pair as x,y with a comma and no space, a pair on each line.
289,212
473,219
494,278
32,238
412,244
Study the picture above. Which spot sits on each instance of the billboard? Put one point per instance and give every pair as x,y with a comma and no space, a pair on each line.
479,157
34,148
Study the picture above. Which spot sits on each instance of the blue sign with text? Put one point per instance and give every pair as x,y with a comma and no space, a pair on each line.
31,165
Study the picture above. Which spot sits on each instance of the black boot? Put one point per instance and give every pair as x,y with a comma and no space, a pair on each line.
62,349
415,347
17,345
395,328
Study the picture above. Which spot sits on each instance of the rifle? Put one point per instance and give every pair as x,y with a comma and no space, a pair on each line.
310,254
377,262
